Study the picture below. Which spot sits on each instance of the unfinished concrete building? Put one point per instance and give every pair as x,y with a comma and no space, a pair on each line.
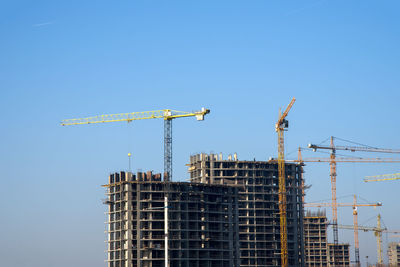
259,226
338,255
394,254
202,222
318,252
315,238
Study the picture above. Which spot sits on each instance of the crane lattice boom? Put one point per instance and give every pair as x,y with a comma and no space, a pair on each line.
333,160
321,205
378,230
364,228
383,177
354,205
356,148
348,160
167,114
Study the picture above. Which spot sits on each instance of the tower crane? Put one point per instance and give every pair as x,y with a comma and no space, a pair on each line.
378,230
166,114
300,160
383,177
333,174
355,206
280,127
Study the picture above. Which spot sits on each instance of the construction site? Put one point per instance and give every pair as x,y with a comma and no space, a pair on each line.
201,221
200,133
232,212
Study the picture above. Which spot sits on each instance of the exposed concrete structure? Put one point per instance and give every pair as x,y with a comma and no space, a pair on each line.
259,227
394,254
203,222
315,238
338,255
318,252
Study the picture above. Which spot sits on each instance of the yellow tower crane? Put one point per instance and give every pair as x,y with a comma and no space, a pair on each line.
333,160
383,177
355,206
378,230
166,114
333,148
280,127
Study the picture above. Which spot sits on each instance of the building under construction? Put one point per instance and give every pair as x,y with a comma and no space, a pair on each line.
315,238
202,223
317,249
338,255
394,254
259,219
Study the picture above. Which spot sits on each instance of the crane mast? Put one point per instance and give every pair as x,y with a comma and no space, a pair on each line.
333,173
301,161
356,243
354,206
377,232
332,165
167,149
378,235
280,127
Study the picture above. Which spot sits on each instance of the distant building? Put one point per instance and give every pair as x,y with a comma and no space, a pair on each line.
394,254
259,223
318,252
203,222
315,238
338,255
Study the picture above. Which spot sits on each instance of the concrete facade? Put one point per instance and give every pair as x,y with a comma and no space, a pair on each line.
338,255
394,254
315,238
317,249
203,222
259,224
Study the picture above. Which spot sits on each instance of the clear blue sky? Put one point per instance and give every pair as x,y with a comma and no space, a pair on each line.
242,59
